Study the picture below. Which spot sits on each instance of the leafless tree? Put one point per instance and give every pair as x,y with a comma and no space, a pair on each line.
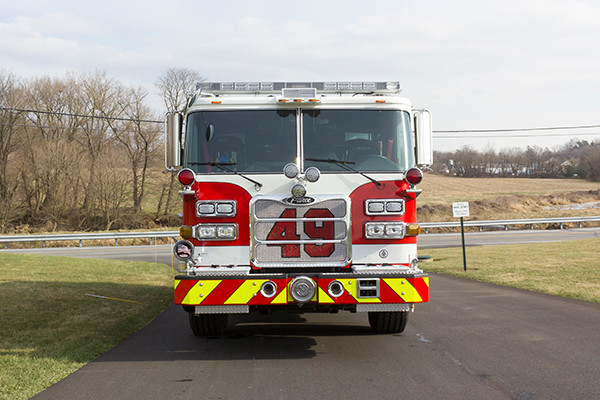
50,156
139,139
10,128
99,96
113,187
175,85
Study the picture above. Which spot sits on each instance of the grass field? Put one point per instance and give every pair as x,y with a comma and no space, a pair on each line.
50,325
443,189
505,198
568,269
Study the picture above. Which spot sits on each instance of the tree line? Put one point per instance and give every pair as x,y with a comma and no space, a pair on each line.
576,158
85,152
77,152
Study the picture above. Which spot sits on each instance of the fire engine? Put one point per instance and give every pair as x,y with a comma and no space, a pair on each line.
298,197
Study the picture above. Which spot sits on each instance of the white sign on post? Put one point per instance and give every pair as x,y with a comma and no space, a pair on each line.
460,209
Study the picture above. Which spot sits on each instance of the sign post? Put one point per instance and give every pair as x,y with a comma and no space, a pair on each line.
461,209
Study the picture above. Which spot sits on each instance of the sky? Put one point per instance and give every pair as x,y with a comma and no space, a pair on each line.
476,65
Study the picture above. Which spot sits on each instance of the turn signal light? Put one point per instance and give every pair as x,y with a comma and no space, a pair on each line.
186,231
413,230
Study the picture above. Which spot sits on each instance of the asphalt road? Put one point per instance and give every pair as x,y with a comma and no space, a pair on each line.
471,341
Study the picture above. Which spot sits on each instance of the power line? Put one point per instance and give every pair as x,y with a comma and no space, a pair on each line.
520,129
515,136
66,128
10,109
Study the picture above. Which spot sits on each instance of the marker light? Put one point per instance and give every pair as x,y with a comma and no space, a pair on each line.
413,176
186,176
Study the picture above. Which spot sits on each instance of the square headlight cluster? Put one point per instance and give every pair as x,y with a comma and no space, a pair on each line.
385,230
216,208
216,231
384,207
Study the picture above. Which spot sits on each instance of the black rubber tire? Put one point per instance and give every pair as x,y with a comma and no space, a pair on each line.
388,321
208,324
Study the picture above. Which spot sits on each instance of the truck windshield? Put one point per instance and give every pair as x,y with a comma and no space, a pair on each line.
266,140
368,140
243,141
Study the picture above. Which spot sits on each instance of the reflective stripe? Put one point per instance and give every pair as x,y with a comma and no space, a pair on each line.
216,292
281,297
324,298
246,292
404,289
197,294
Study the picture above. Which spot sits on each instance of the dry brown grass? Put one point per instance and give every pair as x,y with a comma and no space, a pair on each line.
505,198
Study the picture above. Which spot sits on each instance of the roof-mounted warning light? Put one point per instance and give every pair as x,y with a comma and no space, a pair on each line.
299,89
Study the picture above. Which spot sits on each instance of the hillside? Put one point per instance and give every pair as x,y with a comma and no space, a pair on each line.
507,198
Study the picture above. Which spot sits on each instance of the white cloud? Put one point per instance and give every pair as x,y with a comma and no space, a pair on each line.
476,64
61,24
19,42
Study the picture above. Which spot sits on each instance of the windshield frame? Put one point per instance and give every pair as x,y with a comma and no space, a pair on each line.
406,155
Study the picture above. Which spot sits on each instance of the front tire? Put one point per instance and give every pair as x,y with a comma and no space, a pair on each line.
388,322
208,324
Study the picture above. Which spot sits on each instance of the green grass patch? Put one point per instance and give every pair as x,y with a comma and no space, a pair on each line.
50,326
568,269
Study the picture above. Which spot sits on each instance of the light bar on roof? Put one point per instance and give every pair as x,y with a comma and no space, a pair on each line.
276,87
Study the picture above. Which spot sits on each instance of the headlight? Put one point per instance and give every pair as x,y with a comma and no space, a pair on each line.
385,230
215,208
384,207
216,231
374,230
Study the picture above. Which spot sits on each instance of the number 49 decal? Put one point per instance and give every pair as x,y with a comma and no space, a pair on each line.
286,230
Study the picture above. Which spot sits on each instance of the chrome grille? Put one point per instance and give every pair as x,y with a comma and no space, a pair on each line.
313,234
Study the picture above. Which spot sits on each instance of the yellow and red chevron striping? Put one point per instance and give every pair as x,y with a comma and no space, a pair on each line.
248,291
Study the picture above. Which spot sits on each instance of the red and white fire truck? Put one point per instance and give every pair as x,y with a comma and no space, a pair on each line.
298,197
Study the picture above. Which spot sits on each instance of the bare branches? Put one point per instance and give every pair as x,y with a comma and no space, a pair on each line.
79,147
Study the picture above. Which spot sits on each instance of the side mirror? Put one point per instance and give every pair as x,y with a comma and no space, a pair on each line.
173,130
423,138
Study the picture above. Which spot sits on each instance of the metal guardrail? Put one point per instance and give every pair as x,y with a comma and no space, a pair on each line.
174,234
506,222
89,236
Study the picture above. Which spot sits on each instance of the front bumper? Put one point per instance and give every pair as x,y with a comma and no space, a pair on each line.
227,290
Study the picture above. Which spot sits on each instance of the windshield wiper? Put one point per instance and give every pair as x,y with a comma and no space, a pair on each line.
344,165
222,166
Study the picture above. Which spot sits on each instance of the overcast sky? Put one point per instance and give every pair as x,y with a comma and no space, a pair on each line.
475,64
